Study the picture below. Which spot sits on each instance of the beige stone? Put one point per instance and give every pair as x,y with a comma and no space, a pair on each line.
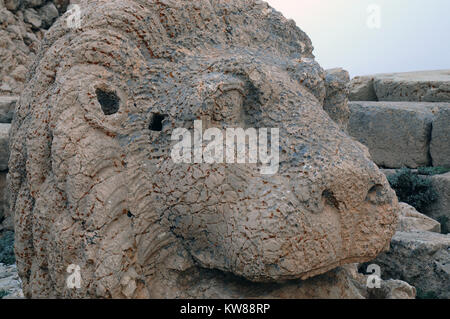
91,172
361,89
397,134
411,220
336,99
423,86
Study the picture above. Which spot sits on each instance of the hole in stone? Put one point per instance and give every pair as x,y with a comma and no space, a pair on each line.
156,122
108,100
374,192
330,199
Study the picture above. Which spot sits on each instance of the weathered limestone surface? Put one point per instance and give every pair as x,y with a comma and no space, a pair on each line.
336,100
361,89
425,86
93,178
420,258
440,140
411,220
4,149
22,26
7,105
397,133
440,209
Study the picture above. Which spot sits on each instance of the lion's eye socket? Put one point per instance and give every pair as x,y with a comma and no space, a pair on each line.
156,124
109,101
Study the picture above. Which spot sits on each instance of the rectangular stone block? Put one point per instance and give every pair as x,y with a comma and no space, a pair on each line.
425,86
397,133
440,138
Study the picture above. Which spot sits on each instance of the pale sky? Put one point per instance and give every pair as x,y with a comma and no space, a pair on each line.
413,35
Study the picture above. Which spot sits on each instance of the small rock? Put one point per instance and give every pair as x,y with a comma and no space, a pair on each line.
32,17
61,5
13,5
48,14
7,105
361,89
336,100
411,220
393,289
10,282
420,258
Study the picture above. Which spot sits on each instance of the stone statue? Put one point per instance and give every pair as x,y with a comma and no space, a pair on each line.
93,183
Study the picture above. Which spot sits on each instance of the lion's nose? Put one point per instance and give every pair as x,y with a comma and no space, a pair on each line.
342,188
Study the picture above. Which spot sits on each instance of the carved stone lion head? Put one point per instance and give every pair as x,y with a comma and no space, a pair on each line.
94,184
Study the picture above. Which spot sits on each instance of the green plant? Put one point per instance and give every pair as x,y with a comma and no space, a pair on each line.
413,189
430,171
3,293
7,248
426,294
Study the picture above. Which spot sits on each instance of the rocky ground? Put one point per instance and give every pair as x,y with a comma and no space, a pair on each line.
402,118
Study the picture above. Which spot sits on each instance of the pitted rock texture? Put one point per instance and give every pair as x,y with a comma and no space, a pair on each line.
22,26
93,183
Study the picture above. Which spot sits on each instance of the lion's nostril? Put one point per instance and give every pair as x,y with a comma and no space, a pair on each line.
109,101
156,122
